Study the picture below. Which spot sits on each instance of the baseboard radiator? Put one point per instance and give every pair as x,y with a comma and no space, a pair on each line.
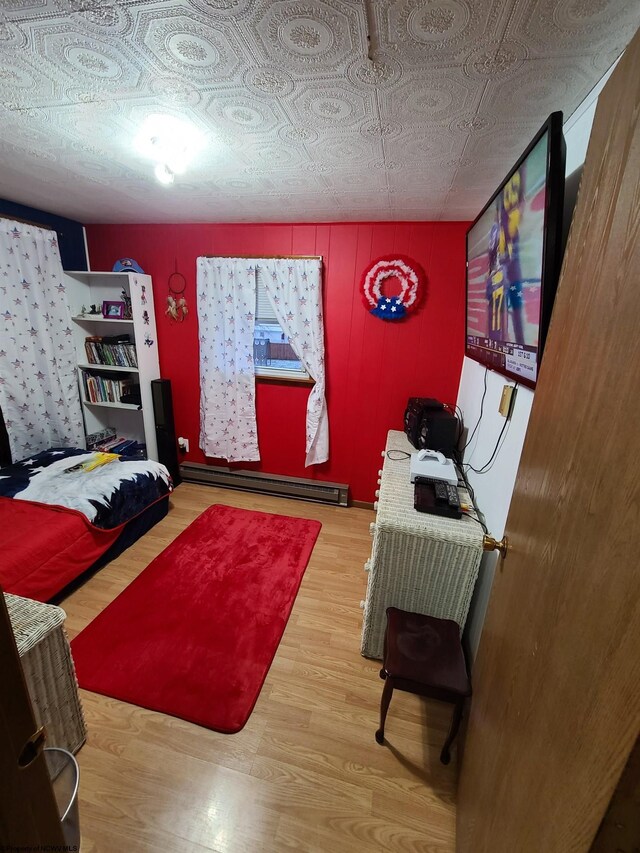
268,484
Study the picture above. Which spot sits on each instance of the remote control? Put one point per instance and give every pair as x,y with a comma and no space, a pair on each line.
441,490
452,492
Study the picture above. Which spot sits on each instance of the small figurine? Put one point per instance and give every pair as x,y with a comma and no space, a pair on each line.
128,314
83,311
95,309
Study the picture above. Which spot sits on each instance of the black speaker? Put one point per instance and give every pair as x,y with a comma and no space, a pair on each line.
165,427
439,431
428,424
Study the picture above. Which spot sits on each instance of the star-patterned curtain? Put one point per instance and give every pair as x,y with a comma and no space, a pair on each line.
38,383
226,320
294,286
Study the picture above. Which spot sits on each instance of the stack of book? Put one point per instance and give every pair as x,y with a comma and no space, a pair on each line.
123,446
99,388
117,351
95,439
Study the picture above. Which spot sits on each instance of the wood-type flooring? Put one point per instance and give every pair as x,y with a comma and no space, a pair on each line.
305,774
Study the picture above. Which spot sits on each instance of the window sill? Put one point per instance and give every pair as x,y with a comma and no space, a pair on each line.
282,378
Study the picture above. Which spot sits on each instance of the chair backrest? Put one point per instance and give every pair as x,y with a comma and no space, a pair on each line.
261,351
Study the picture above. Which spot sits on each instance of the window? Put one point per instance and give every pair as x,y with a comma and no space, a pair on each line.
273,355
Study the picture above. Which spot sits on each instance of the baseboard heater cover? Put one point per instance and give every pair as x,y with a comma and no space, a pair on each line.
271,484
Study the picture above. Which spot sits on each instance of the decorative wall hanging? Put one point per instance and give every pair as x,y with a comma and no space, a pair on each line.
176,303
411,278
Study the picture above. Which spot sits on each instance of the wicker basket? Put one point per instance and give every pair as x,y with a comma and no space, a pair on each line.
419,562
48,670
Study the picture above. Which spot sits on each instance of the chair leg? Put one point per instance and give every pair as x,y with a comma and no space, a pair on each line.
387,692
382,674
445,755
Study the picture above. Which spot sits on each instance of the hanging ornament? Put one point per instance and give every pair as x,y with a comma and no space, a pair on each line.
407,272
176,302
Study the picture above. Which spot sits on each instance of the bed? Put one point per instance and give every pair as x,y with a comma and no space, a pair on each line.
60,520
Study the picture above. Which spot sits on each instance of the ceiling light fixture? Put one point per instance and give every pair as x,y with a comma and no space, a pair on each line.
164,174
169,142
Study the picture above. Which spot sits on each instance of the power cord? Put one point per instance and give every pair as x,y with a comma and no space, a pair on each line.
483,469
456,411
475,429
402,454
478,521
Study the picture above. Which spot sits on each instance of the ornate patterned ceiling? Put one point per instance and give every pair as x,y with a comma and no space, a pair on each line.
301,125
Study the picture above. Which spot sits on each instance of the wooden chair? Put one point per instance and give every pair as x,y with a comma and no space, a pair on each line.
262,351
424,655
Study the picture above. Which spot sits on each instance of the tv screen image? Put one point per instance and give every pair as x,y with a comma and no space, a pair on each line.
513,253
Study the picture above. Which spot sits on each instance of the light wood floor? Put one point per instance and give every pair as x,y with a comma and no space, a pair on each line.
305,774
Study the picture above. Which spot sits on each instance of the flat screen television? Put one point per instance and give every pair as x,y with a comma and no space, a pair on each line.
514,252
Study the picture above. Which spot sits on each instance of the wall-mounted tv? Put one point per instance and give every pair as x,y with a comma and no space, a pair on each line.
514,252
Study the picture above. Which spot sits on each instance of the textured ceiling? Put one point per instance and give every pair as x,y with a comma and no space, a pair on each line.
301,125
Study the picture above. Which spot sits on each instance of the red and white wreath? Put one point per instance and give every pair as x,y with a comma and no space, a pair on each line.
411,278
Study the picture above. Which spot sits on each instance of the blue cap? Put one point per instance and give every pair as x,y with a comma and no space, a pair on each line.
127,265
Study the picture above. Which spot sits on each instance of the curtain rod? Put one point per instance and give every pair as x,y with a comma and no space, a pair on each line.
19,219
268,257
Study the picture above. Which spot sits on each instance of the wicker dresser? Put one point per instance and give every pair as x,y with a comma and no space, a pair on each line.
48,670
419,562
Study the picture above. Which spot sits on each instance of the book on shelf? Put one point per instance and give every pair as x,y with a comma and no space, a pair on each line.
100,437
127,447
122,445
114,351
102,388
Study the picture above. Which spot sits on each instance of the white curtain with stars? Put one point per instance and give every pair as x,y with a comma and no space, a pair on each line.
294,287
38,385
226,320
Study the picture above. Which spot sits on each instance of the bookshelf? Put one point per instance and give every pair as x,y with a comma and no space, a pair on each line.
112,369
130,420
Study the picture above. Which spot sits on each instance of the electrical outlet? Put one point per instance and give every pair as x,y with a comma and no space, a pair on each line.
183,444
507,401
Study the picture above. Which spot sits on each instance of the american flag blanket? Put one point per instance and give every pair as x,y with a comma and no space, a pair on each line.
109,495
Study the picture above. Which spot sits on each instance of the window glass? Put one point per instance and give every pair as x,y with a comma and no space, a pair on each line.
273,354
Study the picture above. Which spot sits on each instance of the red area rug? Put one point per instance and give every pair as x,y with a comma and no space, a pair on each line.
194,635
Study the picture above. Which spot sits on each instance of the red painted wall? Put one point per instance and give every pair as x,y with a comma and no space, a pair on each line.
372,366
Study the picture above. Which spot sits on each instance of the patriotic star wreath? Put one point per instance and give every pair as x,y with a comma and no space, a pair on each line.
407,272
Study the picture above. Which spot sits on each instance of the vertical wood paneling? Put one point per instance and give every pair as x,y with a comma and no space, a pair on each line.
372,366
422,246
340,271
400,349
355,439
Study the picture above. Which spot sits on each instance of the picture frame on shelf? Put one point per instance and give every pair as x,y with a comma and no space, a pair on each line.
113,310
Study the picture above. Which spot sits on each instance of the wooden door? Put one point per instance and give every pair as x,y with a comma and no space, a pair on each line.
556,709
28,813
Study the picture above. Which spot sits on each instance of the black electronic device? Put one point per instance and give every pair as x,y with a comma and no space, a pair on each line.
429,425
132,396
436,497
165,427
